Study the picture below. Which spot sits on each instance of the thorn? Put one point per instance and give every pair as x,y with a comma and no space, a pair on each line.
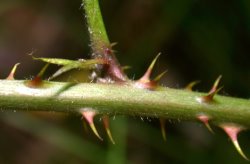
158,78
113,44
213,91
89,116
144,82
41,73
233,131
126,67
12,73
32,53
85,126
205,120
190,86
163,127
215,86
146,77
105,119
109,49
37,80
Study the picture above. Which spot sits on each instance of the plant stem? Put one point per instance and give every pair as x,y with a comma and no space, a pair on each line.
96,28
121,99
100,44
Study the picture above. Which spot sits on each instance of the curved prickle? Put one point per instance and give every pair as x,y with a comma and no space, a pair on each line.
105,119
232,131
12,72
205,120
213,91
190,85
158,78
89,115
163,128
145,82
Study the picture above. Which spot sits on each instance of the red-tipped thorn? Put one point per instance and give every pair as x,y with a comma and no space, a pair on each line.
106,126
190,86
144,82
12,73
233,131
89,116
37,81
205,120
146,77
163,128
215,85
213,91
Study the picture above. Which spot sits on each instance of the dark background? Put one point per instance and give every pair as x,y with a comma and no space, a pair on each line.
198,39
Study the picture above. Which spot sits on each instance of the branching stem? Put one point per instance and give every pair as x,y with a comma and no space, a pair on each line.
100,44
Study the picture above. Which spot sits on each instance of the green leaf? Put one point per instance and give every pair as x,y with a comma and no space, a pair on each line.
68,65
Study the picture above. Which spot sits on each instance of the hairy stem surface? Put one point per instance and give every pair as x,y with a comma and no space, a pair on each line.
100,44
96,28
121,99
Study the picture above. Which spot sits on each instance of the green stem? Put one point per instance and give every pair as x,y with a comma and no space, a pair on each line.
100,44
122,99
96,28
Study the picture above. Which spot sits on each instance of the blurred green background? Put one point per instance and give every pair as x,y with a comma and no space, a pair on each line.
199,40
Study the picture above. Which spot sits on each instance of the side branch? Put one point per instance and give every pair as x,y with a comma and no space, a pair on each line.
96,28
100,44
125,99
